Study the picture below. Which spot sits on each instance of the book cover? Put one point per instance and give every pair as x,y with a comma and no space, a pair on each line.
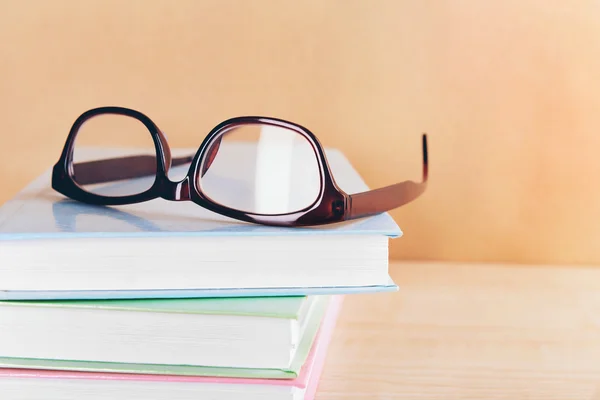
39,215
273,307
38,212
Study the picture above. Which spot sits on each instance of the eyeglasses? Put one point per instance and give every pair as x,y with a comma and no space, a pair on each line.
254,169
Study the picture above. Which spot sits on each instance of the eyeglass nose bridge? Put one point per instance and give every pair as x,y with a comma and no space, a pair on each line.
180,191
176,191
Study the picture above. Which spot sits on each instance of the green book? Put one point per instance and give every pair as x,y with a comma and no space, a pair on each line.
259,337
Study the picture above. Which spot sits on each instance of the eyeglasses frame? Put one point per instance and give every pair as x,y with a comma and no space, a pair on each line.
331,205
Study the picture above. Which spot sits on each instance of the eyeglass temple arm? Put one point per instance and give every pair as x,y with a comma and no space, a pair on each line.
115,169
389,197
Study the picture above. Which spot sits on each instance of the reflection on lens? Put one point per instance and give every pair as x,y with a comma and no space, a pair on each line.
114,155
261,169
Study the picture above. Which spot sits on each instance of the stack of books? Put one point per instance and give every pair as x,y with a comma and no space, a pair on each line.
165,300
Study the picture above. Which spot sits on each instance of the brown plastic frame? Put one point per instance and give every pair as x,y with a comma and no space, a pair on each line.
332,204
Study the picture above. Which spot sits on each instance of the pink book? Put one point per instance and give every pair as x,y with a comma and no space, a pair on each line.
21,384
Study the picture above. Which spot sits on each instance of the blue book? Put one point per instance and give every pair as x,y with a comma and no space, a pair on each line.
54,248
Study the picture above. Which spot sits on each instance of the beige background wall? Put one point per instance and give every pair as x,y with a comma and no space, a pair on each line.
508,91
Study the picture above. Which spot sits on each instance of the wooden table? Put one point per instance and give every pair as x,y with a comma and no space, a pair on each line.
470,331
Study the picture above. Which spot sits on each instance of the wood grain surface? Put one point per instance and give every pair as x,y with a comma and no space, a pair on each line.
470,331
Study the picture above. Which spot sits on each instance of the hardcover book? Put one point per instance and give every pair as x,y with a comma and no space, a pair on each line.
54,248
235,337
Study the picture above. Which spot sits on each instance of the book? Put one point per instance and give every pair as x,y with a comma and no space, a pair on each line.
54,248
19,384
243,337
